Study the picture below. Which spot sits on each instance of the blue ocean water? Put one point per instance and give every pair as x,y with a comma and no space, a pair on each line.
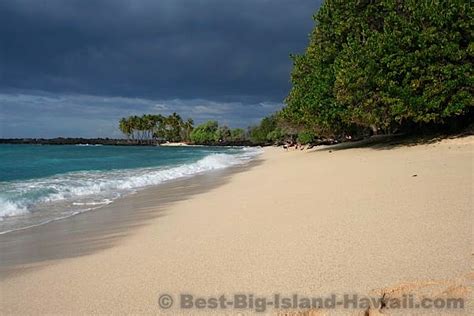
41,183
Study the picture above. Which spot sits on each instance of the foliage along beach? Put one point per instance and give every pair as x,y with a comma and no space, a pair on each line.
370,68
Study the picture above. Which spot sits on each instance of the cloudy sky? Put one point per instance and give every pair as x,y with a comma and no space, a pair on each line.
74,67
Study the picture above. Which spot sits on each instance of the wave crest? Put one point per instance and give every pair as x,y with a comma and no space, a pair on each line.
79,189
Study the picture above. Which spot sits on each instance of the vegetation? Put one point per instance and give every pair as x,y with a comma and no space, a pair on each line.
205,133
210,133
275,130
306,137
238,135
151,129
268,131
148,128
371,67
384,65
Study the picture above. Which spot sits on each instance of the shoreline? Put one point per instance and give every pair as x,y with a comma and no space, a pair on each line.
68,187
106,225
64,141
327,220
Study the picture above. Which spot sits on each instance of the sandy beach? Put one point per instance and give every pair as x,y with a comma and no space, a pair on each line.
371,220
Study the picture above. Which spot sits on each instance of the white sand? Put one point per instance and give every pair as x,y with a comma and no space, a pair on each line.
314,223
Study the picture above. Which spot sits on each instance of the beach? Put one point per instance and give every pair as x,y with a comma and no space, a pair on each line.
374,220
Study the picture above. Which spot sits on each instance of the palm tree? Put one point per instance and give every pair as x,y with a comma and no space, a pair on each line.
125,127
150,128
186,129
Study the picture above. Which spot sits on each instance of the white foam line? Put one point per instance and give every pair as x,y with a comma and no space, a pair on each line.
115,183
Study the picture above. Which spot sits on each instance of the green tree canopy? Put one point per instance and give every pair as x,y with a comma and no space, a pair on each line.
238,135
260,134
149,127
205,133
383,64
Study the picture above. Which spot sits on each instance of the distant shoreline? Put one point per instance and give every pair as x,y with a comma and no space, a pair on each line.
415,138
106,141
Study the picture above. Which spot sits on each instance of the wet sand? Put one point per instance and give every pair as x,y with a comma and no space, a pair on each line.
385,220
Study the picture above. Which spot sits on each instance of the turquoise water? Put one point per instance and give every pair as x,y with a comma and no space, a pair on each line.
36,161
39,184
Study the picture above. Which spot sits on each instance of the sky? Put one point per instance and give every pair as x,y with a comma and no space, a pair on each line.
73,68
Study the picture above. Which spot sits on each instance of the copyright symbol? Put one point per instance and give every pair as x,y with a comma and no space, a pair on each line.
165,301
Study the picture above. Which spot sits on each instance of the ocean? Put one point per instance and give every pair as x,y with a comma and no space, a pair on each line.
44,183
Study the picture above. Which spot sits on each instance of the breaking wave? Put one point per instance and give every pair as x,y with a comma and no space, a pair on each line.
76,192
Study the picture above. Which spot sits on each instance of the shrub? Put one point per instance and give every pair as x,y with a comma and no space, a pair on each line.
306,137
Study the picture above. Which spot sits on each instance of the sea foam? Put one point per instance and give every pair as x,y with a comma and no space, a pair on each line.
75,192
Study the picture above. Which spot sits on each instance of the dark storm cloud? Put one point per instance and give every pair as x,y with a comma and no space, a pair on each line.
227,51
167,48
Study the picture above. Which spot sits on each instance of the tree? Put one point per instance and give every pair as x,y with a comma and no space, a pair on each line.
186,129
150,128
135,124
382,65
237,135
169,128
205,133
223,134
306,137
125,127
276,136
259,133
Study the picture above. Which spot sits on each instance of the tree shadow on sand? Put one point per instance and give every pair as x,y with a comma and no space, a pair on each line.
387,142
